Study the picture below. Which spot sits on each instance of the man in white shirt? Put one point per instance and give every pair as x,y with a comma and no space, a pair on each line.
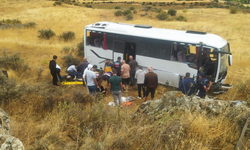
72,70
140,76
90,78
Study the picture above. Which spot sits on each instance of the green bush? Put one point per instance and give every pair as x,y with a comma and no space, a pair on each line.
80,49
131,8
126,12
233,10
118,13
162,16
14,62
29,25
89,6
69,60
129,17
67,36
46,34
181,18
172,12
117,7
134,11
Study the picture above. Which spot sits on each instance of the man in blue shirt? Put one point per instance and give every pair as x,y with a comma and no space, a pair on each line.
187,85
204,85
118,65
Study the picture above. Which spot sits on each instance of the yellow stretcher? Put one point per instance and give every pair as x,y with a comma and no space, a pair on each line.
71,82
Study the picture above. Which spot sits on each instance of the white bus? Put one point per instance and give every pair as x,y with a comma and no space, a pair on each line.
171,53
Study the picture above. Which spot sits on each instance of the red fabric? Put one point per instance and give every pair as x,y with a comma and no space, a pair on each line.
104,45
127,104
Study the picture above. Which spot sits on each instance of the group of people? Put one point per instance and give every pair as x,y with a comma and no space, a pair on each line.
188,86
121,74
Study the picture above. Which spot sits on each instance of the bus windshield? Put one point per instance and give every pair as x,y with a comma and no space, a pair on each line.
223,62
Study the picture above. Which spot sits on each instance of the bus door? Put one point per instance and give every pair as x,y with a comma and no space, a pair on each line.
208,62
130,49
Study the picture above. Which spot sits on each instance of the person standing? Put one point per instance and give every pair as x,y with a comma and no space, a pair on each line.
58,70
204,85
90,78
140,76
115,87
83,66
132,63
150,82
108,66
187,85
52,67
125,69
118,66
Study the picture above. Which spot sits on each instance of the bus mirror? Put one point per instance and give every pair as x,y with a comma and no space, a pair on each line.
230,60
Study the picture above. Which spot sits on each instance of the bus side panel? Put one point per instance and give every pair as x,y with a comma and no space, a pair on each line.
168,71
97,56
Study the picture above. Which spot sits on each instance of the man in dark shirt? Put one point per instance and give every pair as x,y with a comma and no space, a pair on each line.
52,67
115,86
83,65
204,85
187,85
150,82
118,65
132,63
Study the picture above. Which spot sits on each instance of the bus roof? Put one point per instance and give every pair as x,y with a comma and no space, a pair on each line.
191,37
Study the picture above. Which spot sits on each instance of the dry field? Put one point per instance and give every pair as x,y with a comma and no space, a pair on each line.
35,128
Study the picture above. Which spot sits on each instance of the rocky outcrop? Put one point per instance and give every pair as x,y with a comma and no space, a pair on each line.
7,141
175,101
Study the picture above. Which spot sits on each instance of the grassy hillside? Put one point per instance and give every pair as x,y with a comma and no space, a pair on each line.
58,118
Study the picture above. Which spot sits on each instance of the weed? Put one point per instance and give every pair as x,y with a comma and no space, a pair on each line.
162,16
233,10
126,12
117,7
67,36
46,34
89,6
129,17
80,49
172,12
181,18
118,13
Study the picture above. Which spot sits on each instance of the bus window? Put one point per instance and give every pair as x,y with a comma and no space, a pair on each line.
183,53
96,39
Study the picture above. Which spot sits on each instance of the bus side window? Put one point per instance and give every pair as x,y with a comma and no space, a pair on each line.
96,39
174,52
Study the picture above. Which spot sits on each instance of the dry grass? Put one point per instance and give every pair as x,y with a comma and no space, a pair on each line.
42,120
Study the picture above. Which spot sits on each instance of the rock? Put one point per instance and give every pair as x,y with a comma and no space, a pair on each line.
7,141
174,101
12,143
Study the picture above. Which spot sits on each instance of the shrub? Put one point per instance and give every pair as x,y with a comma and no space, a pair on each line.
129,17
126,12
134,11
57,3
67,36
181,18
89,6
162,16
69,60
46,34
118,13
172,12
233,10
131,8
80,49
14,62
117,7
29,25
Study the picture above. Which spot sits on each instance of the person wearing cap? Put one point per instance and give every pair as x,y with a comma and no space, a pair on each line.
140,76
115,87
90,78
204,85
187,85
118,66
108,66
52,67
